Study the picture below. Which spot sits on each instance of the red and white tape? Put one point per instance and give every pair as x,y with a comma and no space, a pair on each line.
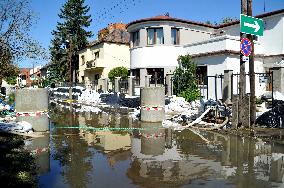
153,135
153,108
28,114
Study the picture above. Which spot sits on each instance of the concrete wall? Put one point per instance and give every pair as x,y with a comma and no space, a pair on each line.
219,43
155,56
273,35
31,100
115,55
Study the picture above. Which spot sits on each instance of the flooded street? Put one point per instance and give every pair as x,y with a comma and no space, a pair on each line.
110,150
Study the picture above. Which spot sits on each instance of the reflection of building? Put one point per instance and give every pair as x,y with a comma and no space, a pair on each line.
107,140
156,162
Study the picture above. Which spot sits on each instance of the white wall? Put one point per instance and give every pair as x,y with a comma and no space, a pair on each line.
219,43
155,56
273,35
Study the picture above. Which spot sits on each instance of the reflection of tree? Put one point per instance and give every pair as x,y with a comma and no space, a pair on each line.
71,151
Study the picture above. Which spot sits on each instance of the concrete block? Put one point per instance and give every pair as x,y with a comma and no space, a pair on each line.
150,99
227,86
31,100
39,123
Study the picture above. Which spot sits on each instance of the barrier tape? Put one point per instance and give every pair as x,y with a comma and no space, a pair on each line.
154,135
30,114
154,108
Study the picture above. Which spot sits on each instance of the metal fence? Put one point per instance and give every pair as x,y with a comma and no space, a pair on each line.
123,85
263,81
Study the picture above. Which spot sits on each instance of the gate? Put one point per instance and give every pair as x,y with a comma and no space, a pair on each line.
263,82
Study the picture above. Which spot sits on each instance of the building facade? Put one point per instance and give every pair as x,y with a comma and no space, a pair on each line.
110,50
157,42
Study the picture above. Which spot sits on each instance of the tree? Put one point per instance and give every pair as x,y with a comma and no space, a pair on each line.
73,21
185,79
118,72
227,20
16,20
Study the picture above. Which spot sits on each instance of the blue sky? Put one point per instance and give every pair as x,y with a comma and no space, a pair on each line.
104,12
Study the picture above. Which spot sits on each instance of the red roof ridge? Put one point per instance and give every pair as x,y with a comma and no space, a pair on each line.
168,18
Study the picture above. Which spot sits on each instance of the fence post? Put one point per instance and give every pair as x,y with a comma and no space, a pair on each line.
116,84
227,89
169,84
147,80
105,85
131,85
278,79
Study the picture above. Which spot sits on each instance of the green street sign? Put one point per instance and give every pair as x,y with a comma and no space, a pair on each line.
251,25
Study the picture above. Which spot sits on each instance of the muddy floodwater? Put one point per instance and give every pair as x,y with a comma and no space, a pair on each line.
110,150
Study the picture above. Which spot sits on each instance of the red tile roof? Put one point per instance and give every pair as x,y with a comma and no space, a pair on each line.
167,18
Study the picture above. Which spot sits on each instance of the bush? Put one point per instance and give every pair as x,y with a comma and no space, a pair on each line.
118,72
185,79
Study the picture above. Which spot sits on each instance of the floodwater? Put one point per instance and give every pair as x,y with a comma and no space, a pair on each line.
149,156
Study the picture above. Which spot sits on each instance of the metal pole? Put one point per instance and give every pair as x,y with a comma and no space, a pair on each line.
70,68
251,70
216,97
272,89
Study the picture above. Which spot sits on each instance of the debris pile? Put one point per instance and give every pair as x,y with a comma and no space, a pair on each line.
178,110
89,97
20,127
273,118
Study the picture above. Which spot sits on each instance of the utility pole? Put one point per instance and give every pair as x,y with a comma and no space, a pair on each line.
242,81
251,71
70,68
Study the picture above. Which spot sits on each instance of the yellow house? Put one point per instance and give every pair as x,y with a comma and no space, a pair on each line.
110,50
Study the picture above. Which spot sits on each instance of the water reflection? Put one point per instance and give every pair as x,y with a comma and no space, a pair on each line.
153,156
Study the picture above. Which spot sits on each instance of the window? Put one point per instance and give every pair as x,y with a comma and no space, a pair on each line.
83,78
175,36
155,36
97,55
135,38
201,74
83,59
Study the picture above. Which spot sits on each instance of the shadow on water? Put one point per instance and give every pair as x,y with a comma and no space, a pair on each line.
85,155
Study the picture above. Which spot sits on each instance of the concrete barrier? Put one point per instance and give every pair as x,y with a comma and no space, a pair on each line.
39,123
152,104
31,100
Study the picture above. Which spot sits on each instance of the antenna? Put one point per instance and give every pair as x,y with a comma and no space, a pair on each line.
264,6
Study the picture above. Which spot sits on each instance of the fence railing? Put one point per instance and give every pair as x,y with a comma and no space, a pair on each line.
123,85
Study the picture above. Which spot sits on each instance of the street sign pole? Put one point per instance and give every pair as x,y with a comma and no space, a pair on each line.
251,70
242,80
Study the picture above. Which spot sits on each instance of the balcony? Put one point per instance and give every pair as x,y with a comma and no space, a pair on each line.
93,64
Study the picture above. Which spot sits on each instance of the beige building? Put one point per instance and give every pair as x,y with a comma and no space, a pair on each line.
110,50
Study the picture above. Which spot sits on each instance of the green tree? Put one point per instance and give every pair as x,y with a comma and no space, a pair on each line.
74,20
16,43
185,79
118,72
227,20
